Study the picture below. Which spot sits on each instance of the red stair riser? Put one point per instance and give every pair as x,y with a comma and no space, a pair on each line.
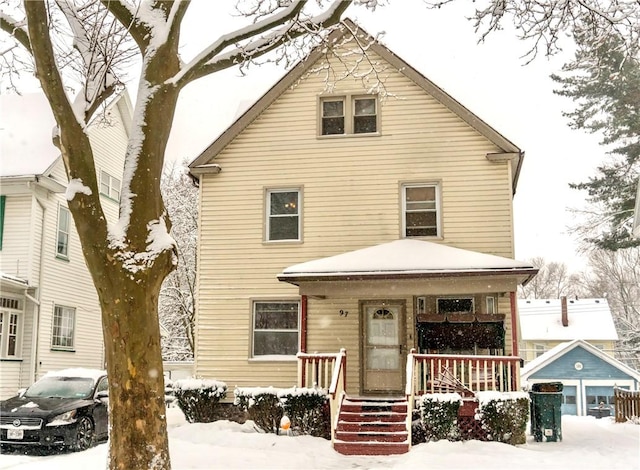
356,437
367,427
370,449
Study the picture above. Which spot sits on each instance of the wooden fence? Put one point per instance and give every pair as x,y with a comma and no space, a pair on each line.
627,405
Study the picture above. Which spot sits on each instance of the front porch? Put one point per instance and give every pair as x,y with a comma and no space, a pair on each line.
383,425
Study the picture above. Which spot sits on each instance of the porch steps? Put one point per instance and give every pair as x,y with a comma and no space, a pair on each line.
372,426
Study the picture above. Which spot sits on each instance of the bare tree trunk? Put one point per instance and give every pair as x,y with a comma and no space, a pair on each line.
136,381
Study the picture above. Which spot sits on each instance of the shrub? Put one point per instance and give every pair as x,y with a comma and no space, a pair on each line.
263,406
198,398
504,416
440,415
308,410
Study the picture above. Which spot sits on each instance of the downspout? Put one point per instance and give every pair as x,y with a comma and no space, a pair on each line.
33,366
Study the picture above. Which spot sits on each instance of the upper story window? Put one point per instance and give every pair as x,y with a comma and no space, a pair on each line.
62,242
421,210
64,319
283,215
275,328
10,328
341,115
109,185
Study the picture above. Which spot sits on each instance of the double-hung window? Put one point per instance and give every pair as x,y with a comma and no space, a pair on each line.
64,319
64,223
109,185
340,115
283,215
10,327
275,328
421,210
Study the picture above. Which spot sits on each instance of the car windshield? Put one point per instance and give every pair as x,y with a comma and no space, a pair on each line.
61,387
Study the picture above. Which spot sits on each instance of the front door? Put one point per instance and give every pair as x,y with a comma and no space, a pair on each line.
383,348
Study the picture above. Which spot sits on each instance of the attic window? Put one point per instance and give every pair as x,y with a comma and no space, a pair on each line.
343,115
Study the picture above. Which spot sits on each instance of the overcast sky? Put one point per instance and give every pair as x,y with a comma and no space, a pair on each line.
489,78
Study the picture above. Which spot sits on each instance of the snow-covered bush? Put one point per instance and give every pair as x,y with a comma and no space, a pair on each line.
308,410
198,398
439,412
263,406
504,416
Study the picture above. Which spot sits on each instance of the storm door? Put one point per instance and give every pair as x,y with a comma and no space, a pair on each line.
383,348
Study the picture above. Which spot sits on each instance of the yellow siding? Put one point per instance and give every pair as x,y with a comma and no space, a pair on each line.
350,199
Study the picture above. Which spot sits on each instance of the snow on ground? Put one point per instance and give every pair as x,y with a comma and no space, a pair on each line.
588,443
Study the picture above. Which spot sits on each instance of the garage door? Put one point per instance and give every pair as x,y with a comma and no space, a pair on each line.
569,403
597,395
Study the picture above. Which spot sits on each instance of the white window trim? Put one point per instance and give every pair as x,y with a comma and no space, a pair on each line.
272,357
73,331
491,300
4,338
68,232
267,214
348,100
111,185
437,185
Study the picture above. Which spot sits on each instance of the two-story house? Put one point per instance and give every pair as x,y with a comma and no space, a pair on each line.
374,220
49,311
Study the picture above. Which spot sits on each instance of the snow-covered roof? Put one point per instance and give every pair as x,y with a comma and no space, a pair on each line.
26,130
406,257
589,319
561,349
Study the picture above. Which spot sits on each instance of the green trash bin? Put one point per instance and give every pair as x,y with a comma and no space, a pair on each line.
546,411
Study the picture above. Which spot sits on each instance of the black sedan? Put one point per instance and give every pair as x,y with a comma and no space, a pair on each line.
64,409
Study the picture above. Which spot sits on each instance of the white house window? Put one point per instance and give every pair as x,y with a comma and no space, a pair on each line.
365,118
421,207
109,185
275,328
64,221
283,214
63,327
10,328
539,350
491,305
348,114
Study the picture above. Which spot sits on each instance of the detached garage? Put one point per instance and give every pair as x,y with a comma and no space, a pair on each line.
588,376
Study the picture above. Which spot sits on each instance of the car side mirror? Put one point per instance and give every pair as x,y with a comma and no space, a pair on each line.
102,394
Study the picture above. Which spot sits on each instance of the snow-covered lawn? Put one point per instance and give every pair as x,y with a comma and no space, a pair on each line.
588,443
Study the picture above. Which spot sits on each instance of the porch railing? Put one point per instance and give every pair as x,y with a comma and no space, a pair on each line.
328,371
437,373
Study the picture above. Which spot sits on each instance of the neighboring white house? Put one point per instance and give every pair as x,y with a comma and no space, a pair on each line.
636,214
49,310
545,323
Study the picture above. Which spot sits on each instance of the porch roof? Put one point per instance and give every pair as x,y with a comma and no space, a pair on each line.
405,259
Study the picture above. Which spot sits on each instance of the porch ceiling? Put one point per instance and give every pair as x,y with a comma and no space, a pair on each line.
409,260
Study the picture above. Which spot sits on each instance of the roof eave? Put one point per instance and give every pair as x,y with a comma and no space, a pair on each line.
296,279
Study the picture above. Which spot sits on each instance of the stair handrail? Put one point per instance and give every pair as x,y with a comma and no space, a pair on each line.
337,389
410,390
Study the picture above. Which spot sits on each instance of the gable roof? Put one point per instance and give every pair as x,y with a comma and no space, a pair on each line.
405,258
563,348
26,130
508,150
589,319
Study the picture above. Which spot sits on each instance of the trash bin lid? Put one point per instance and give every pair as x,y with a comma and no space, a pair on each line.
547,387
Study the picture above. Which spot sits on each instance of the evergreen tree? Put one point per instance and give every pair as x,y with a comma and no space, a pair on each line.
604,81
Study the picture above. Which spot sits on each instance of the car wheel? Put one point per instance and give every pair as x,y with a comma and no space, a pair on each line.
85,434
